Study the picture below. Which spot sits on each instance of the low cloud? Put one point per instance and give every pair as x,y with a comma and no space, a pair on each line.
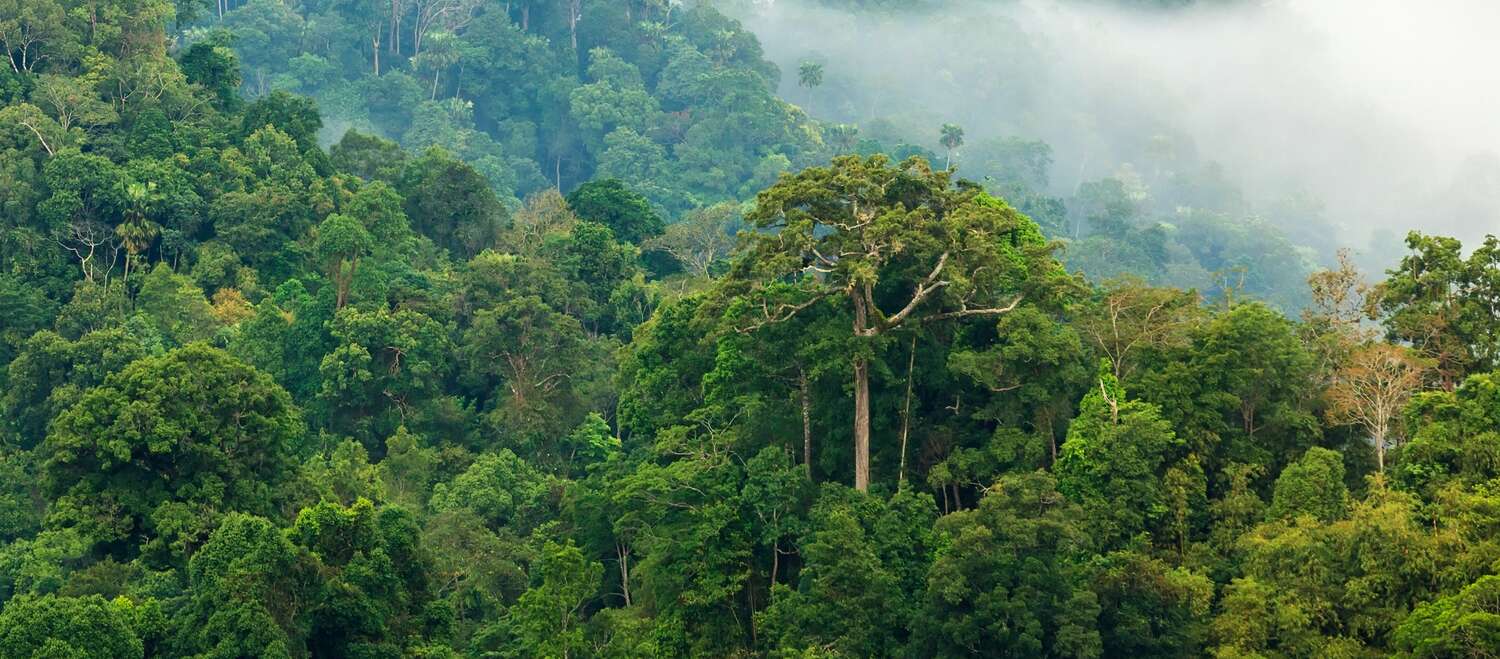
1386,113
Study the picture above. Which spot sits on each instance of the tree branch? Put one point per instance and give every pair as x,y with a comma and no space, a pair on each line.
39,137
966,312
924,290
783,313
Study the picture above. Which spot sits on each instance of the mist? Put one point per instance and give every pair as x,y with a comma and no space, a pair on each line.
1345,122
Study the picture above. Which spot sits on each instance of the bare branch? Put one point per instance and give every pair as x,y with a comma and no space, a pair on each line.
924,290
966,312
39,137
782,313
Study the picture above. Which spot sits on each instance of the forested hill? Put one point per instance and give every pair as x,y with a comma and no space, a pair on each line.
679,102
448,328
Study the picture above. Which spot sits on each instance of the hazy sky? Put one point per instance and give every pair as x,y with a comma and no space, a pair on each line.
1388,111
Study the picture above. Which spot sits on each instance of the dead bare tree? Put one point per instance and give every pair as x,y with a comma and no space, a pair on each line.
1372,389
701,239
86,240
1132,317
450,15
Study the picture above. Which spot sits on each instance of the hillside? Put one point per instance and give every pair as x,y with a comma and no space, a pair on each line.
461,328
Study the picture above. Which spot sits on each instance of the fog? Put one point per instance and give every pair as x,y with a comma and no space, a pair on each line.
1347,122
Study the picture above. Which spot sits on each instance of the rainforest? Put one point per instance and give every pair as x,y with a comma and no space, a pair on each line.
796,329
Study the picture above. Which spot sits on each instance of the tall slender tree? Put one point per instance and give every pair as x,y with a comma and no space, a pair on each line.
892,246
952,138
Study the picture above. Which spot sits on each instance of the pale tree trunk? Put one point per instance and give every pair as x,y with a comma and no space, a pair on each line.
396,14
624,554
806,421
1380,452
861,424
575,12
775,561
861,402
906,411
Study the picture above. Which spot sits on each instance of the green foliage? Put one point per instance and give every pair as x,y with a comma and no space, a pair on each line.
1432,301
50,626
213,66
51,372
1313,485
501,489
1149,608
608,202
162,434
606,426
1113,461
385,364
248,583
1453,436
1009,577
176,307
295,116
546,621
451,203
1463,624
860,557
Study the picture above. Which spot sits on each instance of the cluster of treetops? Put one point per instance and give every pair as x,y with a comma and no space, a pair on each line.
678,102
265,399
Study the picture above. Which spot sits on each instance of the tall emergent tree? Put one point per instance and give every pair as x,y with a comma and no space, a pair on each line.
810,75
952,138
863,236
1445,305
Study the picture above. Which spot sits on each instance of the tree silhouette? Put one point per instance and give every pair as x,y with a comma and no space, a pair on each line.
953,137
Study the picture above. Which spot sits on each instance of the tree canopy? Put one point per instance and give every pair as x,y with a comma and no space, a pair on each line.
447,328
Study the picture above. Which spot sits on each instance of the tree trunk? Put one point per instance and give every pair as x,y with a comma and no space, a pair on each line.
1380,452
862,424
575,12
906,411
396,13
624,554
806,421
1051,440
775,562
861,399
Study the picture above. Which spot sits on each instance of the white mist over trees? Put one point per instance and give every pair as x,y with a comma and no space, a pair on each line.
1342,121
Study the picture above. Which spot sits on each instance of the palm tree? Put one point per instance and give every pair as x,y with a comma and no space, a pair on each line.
441,52
810,75
844,137
953,137
137,232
